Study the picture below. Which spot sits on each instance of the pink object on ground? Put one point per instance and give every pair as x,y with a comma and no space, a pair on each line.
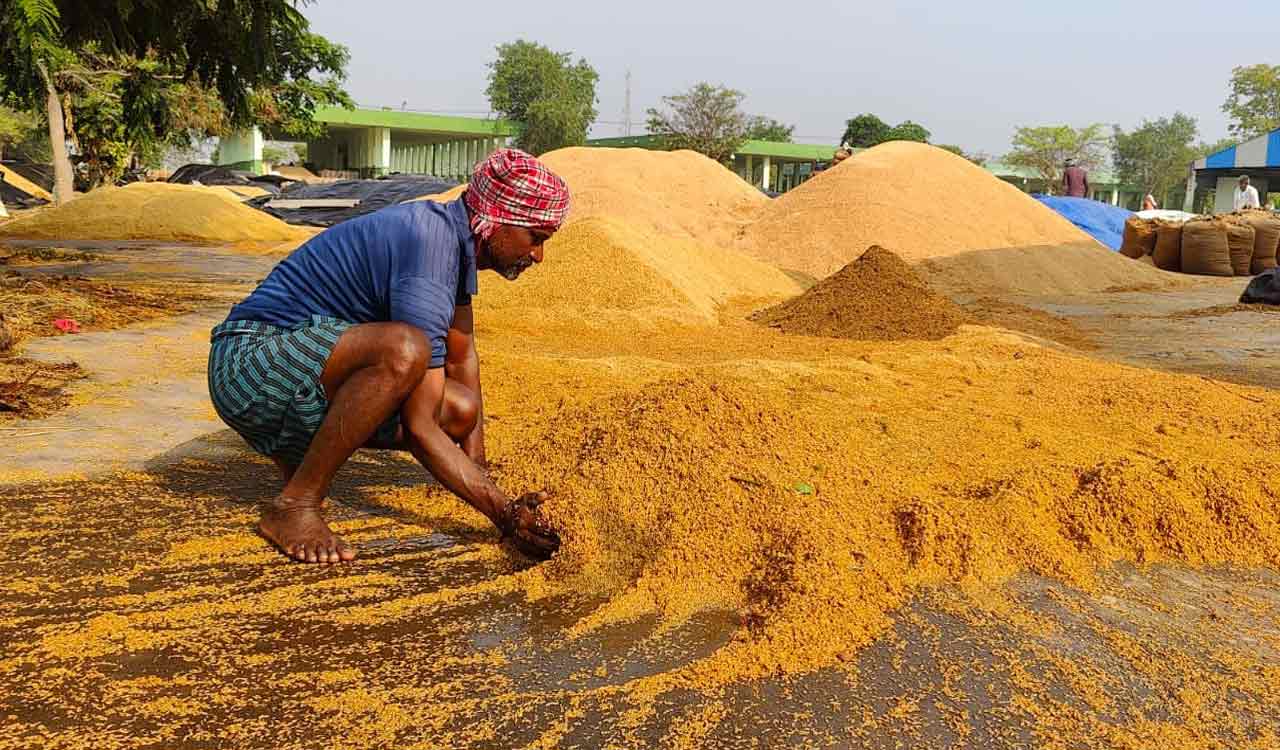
66,325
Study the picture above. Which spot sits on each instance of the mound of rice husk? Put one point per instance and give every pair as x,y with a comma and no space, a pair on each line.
930,205
876,297
156,211
674,193
601,269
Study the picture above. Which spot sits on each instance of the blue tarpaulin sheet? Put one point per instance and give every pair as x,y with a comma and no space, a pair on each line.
1102,221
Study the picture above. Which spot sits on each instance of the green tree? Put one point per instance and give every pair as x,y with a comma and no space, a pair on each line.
976,157
256,58
1254,102
15,127
706,119
274,154
768,129
1047,148
865,131
908,131
1156,154
553,98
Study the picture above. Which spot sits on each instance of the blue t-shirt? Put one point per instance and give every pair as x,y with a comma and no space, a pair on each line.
413,263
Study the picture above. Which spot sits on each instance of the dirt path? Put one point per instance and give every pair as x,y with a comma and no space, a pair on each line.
145,391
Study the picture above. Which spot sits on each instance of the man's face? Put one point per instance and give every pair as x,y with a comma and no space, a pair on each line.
510,250
1244,184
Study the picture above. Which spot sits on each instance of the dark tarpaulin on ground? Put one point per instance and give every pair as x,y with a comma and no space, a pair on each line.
214,174
372,194
1264,289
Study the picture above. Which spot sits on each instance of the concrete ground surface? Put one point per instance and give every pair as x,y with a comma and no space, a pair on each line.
160,623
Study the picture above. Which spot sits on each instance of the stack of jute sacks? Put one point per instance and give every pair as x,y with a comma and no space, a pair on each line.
1238,244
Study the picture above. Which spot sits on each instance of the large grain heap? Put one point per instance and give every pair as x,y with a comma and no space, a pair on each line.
601,270
677,194
156,211
876,297
938,210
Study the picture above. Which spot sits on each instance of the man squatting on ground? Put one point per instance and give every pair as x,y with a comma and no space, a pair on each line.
364,337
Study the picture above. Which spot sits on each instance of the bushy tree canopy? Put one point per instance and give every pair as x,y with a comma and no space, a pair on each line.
552,97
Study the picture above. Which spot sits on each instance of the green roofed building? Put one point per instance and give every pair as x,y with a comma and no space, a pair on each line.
1103,184
376,142
776,167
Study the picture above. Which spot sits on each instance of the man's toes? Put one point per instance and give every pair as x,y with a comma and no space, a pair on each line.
345,552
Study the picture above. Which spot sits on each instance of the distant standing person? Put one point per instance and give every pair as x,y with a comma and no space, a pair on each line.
1246,195
1149,203
1075,181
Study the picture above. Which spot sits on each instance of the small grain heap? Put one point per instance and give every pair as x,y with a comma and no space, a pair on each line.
876,297
937,209
157,211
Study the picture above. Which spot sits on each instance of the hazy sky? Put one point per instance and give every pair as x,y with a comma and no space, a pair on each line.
970,72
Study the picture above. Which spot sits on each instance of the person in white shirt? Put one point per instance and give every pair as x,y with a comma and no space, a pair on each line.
1246,195
1149,203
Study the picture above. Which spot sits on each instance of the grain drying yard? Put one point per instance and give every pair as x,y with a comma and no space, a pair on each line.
986,485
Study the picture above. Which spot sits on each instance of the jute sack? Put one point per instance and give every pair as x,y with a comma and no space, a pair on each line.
1139,237
1204,248
1240,236
1266,235
1168,250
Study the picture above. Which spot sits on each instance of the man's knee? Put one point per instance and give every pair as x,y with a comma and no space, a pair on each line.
406,353
461,411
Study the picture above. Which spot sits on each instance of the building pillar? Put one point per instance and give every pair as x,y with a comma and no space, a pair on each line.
751,169
380,150
1115,196
1189,201
242,149
764,178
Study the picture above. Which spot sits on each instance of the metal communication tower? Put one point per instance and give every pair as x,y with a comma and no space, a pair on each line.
626,109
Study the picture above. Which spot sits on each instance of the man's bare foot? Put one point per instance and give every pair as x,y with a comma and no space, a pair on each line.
297,528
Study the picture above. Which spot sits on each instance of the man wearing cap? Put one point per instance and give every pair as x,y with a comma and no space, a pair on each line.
1246,195
363,337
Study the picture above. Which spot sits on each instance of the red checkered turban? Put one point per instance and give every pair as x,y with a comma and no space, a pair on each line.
512,187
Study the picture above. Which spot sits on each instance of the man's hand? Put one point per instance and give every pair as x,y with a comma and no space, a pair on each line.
528,529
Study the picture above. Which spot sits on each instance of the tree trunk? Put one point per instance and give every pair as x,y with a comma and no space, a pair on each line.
63,178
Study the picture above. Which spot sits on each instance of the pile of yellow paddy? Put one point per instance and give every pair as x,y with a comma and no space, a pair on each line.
814,497
156,211
673,193
605,270
971,230
680,194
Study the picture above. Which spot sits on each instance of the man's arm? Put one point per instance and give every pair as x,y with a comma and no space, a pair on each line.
462,365
518,519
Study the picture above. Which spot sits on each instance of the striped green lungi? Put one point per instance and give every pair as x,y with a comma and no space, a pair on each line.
265,383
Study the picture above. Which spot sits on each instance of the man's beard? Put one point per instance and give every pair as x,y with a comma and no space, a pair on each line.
513,271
